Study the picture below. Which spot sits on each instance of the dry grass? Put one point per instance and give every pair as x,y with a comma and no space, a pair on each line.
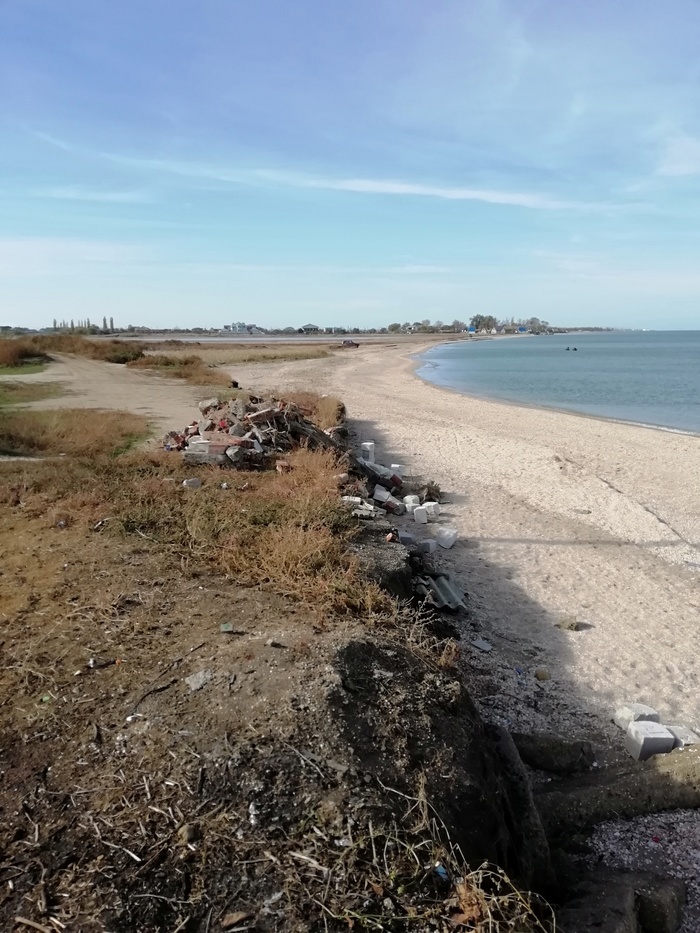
192,369
80,433
227,354
286,532
18,393
326,410
14,351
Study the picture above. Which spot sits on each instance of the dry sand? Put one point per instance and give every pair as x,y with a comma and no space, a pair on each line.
560,517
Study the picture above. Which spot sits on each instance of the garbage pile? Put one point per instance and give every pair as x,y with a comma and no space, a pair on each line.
247,434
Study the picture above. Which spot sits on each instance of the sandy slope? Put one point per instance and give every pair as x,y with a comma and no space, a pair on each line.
560,516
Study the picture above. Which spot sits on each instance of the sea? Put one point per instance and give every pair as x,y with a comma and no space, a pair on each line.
648,377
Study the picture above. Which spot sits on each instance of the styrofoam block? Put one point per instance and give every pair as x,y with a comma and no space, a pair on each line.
446,537
351,500
368,451
645,738
683,736
381,494
634,712
420,515
429,546
433,510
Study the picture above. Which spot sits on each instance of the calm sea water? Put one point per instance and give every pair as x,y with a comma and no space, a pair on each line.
652,378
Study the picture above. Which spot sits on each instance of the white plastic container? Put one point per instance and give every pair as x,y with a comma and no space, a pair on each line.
368,451
446,537
433,510
420,515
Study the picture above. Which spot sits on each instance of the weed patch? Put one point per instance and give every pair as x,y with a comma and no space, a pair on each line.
192,369
68,431
18,393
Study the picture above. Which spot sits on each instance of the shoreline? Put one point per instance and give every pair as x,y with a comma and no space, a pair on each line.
560,515
534,406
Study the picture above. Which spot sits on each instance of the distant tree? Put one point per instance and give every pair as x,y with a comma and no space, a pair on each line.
55,324
426,322
438,325
458,326
394,328
417,323
483,322
111,323
406,326
383,330
104,323
72,325
87,323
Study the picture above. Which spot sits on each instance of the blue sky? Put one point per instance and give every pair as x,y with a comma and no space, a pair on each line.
176,163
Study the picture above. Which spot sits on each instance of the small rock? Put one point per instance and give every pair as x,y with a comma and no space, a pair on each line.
198,680
194,483
271,643
482,644
542,674
187,834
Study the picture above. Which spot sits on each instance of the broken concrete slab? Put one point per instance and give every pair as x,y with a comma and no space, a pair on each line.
634,712
683,736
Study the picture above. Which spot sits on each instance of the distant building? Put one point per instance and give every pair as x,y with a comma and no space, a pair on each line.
239,328
310,329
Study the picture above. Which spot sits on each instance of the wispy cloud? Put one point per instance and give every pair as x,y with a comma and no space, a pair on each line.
444,192
681,157
367,186
72,193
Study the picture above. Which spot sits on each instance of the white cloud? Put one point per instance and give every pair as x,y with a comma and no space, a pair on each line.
411,189
682,157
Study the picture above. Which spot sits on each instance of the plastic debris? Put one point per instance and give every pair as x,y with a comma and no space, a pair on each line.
482,644
193,483
441,590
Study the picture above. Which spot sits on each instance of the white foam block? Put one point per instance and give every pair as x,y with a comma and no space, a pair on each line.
644,739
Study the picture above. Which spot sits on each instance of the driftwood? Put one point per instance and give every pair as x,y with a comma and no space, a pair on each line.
665,782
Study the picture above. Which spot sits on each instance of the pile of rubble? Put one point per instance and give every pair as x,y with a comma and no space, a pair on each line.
256,434
247,434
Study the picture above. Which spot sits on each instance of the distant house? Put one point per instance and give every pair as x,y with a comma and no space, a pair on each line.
310,329
239,328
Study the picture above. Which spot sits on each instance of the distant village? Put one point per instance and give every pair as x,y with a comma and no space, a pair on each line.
479,325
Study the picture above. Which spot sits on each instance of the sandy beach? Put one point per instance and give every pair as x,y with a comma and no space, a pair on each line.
561,517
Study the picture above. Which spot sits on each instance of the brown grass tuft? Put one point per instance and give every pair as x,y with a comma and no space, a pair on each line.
189,367
64,431
286,532
325,410
232,353
15,350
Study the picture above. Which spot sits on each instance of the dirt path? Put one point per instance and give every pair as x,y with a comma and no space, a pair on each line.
165,402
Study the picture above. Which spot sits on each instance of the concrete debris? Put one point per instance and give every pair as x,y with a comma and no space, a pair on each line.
429,546
683,736
411,503
482,644
198,680
441,590
249,434
634,712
